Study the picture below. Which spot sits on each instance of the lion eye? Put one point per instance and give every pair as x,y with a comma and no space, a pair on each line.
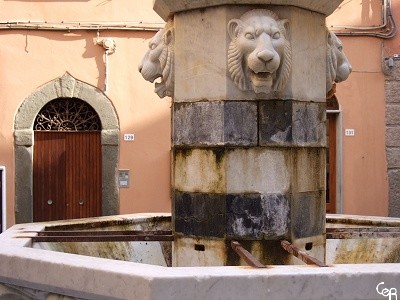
277,35
152,46
249,36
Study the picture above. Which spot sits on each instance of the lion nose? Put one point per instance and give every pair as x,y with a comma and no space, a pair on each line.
265,55
140,67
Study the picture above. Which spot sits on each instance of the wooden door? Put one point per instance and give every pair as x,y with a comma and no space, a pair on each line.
66,175
331,164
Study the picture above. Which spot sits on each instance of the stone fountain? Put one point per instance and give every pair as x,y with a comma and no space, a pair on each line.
249,84
249,87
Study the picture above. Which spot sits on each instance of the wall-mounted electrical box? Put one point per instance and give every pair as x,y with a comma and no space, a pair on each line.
123,178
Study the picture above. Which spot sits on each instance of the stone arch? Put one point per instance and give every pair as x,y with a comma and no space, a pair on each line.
65,86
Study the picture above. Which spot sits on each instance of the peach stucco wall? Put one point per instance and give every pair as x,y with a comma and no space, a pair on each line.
362,102
31,58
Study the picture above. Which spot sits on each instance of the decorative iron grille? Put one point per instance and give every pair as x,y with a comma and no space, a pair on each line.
67,114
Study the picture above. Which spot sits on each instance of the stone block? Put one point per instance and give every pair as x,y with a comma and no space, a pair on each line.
200,170
393,157
309,169
275,122
259,170
23,137
215,123
392,90
392,114
194,252
307,214
393,74
201,66
393,136
255,216
314,246
241,170
199,214
110,137
394,193
309,124
292,123
245,216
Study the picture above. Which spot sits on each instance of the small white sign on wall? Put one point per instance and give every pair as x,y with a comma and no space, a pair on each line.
129,137
349,132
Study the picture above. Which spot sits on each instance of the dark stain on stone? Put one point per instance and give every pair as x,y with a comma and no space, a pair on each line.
275,122
219,154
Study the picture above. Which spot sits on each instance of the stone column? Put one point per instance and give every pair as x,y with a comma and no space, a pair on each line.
248,128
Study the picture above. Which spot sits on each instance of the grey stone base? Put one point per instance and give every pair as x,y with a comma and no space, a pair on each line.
249,216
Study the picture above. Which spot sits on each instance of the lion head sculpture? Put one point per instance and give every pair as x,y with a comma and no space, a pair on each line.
259,55
337,64
158,61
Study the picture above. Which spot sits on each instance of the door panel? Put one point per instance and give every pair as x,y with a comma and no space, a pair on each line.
66,175
331,164
83,179
49,176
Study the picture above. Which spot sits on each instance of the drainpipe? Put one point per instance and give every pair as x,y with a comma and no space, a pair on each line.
109,46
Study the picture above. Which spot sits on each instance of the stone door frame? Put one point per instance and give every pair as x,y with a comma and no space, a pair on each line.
68,87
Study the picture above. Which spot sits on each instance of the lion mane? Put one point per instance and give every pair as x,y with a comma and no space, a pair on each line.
338,67
158,62
237,63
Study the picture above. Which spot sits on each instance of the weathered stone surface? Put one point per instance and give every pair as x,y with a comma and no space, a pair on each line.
392,114
259,170
23,137
200,170
275,122
392,90
257,216
292,123
215,123
393,74
393,157
307,214
194,252
224,170
309,124
394,193
252,217
166,9
248,216
309,170
200,214
23,183
393,136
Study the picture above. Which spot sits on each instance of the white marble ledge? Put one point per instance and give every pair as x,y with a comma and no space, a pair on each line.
97,278
166,8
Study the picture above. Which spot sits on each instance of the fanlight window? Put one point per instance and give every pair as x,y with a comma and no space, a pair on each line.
67,114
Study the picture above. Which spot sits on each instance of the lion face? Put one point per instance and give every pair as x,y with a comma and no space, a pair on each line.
158,62
338,66
259,53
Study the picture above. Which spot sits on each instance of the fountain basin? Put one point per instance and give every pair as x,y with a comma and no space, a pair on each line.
108,271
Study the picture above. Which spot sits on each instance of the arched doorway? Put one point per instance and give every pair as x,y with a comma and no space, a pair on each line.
65,87
66,161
